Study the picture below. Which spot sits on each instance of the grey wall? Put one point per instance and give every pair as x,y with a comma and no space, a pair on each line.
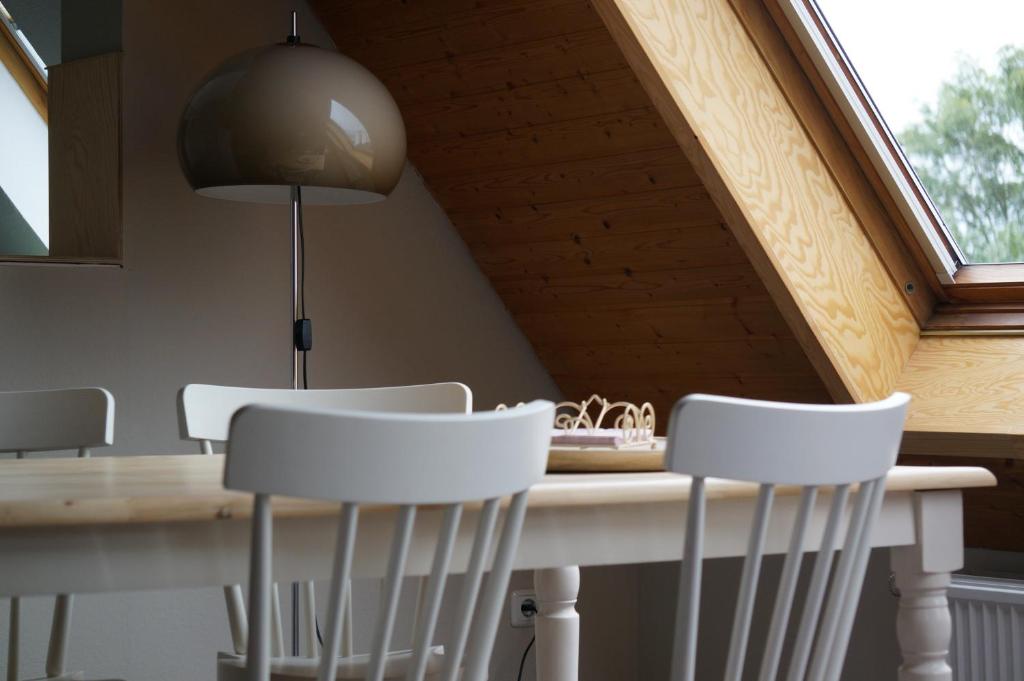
203,297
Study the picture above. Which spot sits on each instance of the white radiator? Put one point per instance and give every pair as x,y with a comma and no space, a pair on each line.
988,629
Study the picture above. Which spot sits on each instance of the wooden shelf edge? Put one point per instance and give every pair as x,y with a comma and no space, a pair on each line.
967,445
57,260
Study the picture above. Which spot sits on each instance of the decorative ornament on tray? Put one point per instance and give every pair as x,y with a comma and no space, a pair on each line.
575,425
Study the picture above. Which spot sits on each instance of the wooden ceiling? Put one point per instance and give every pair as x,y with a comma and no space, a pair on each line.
575,199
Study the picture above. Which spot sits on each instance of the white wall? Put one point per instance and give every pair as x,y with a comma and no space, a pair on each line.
393,292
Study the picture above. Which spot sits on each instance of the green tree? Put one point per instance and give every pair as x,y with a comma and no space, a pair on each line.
969,153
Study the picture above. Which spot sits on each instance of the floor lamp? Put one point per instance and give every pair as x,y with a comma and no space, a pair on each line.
292,123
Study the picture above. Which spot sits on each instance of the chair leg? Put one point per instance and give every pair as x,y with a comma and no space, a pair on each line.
277,631
309,612
13,634
236,617
59,631
347,646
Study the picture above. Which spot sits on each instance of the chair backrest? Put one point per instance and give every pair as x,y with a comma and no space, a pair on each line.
204,411
359,457
775,443
49,420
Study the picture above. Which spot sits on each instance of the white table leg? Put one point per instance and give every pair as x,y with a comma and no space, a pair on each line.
557,624
924,625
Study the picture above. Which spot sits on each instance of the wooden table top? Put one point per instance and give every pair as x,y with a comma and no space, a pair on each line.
187,488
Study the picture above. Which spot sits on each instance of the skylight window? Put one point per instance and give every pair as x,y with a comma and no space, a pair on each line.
23,42
949,83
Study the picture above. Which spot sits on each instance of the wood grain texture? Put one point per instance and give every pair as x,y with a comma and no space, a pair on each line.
969,318
188,487
778,195
990,275
879,225
967,396
855,147
545,150
85,158
988,284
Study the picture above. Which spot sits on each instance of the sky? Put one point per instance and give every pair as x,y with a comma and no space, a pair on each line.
904,49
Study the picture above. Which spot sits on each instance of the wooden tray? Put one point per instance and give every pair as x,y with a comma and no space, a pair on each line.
575,459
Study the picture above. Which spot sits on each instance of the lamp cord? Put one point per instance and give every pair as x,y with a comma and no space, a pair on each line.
302,294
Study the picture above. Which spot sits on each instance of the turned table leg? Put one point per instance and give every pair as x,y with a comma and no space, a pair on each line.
924,625
557,624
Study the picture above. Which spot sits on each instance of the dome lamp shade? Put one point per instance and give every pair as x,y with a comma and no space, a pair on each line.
292,115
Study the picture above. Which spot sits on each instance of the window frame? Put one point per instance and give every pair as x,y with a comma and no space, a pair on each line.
971,291
883,151
24,70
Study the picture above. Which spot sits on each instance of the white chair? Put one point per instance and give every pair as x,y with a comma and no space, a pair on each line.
393,459
774,443
204,415
52,420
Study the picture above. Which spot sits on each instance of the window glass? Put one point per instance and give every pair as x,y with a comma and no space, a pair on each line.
948,79
24,162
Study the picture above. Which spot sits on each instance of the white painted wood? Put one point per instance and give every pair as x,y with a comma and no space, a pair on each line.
787,588
837,598
430,607
816,590
385,451
578,519
308,606
341,584
748,586
363,457
239,628
557,624
60,630
782,443
258,649
924,623
456,647
204,415
53,420
392,591
684,651
577,530
204,411
774,443
492,601
276,628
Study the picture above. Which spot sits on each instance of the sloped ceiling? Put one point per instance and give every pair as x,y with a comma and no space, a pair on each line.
575,199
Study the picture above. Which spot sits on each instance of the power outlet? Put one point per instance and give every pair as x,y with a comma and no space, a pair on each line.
522,608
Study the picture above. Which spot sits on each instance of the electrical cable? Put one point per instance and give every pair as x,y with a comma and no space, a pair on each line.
302,296
522,662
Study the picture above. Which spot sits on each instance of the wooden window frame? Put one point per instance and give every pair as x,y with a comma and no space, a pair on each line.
21,66
986,298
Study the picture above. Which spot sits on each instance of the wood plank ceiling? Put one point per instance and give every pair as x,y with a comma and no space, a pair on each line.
575,200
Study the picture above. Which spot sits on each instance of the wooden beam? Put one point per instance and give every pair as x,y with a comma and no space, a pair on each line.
967,392
85,158
722,103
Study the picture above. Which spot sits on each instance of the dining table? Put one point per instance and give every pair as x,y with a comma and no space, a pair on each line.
145,522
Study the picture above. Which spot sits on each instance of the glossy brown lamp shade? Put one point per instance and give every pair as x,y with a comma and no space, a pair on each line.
292,115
